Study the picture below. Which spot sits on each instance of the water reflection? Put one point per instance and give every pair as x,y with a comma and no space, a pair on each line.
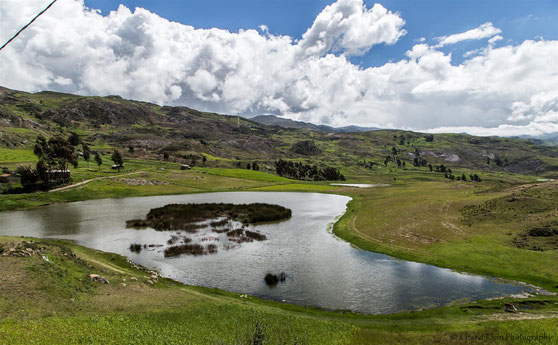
322,270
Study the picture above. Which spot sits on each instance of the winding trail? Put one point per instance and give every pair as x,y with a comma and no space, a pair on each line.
93,179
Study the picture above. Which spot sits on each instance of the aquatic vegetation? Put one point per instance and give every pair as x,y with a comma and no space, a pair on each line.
188,216
135,247
242,235
273,279
190,249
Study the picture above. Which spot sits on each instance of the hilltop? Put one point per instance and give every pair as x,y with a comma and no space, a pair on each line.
231,141
272,120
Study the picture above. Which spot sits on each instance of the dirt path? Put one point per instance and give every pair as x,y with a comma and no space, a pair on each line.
93,179
102,264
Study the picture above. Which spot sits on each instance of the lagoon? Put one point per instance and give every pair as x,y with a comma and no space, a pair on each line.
322,270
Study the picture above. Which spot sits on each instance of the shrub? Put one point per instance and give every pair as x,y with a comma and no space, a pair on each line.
135,247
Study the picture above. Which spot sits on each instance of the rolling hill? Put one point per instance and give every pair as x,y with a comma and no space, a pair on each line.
152,130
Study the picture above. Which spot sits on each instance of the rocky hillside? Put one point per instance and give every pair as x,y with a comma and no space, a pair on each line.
181,132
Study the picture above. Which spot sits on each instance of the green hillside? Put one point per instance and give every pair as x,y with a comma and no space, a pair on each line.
231,141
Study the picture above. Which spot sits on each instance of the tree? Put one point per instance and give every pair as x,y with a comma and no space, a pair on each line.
166,156
130,149
86,153
394,150
41,147
255,166
194,161
28,177
429,138
99,160
248,166
430,167
204,159
463,177
117,159
61,153
300,171
74,139
42,172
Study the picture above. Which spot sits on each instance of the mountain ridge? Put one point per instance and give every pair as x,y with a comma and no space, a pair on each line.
273,120
231,141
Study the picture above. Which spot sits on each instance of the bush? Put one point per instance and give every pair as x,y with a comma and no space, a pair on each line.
299,171
306,148
273,279
135,247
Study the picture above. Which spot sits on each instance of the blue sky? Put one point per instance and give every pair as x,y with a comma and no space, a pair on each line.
519,20
484,67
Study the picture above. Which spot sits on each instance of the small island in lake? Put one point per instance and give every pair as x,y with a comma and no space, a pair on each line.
186,216
208,222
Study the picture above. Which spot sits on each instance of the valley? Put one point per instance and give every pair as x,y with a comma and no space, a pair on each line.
418,213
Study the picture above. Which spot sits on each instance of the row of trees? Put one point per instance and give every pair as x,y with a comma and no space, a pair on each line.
463,177
55,156
300,171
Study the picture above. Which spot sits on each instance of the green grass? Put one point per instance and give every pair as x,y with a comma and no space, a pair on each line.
423,222
199,324
245,174
297,187
21,156
109,183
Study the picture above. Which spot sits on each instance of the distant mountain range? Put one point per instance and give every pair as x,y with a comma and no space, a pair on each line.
272,120
548,139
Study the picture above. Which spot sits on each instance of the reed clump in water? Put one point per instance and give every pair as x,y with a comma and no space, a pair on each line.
188,216
135,247
273,279
190,249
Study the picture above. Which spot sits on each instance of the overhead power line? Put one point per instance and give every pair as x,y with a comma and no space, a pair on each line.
25,27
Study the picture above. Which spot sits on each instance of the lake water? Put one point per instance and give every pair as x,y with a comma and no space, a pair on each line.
361,185
322,270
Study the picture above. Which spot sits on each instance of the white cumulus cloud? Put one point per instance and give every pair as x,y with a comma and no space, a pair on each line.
485,30
139,55
350,27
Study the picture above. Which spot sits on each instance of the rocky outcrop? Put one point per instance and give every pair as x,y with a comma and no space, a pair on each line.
98,278
20,249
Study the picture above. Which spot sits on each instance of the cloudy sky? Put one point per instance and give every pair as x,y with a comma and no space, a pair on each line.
482,67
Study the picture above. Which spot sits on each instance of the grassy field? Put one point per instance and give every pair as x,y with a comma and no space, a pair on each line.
55,302
424,222
15,157
421,216
144,177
